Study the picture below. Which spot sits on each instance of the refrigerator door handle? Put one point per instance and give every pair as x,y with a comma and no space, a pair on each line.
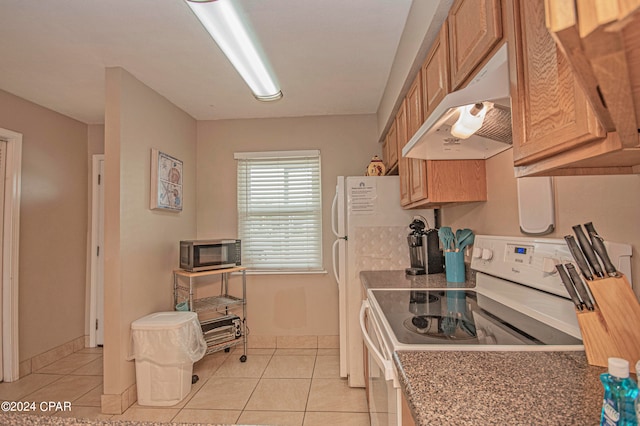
334,214
335,253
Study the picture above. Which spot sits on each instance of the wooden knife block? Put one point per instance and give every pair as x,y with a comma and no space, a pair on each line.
612,329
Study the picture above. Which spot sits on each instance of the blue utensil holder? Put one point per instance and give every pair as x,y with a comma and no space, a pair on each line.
454,266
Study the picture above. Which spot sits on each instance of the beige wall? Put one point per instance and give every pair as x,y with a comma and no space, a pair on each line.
141,245
612,203
53,224
282,304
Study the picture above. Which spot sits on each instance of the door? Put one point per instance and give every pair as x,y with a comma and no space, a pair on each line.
3,162
96,317
10,175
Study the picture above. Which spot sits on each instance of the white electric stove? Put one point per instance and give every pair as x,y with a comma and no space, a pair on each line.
519,304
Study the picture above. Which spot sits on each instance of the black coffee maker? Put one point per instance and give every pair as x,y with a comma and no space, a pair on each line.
424,249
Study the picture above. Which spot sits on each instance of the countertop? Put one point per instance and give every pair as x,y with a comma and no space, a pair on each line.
399,279
29,420
524,388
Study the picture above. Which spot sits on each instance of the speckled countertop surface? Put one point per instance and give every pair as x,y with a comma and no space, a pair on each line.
29,420
398,279
506,388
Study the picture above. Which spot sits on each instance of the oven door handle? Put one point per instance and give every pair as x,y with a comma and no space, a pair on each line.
383,363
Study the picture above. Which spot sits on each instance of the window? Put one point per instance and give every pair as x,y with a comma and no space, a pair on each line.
280,210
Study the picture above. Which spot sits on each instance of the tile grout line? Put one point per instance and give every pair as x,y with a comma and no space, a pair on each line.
306,405
201,386
256,386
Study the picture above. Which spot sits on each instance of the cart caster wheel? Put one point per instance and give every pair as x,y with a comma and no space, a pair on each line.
194,379
227,349
243,358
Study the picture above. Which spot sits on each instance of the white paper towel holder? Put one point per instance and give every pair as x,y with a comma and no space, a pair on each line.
536,206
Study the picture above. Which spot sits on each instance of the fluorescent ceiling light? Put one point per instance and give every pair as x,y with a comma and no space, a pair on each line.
231,30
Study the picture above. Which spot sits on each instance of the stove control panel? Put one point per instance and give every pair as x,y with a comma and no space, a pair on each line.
532,261
519,254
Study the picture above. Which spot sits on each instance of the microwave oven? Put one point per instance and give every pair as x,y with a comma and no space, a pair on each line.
204,255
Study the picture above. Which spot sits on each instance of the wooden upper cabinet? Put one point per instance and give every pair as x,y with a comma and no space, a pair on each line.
550,112
403,163
390,148
414,106
417,168
475,27
435,73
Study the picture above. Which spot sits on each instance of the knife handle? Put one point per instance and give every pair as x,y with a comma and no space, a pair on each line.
578,256
590,229
580,287
569,286
601,250
585,245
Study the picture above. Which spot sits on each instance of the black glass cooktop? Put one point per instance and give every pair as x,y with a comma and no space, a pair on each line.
461,317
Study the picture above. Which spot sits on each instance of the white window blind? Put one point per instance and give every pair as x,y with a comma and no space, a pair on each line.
280,210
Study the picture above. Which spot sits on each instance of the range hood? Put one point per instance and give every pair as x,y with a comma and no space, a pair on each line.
434,141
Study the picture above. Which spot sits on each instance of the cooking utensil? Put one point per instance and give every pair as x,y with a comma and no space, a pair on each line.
468,240
579,285
586,248
568,284
461,236
446,236
449,325
578,256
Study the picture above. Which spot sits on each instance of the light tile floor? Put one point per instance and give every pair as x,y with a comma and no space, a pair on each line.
298,387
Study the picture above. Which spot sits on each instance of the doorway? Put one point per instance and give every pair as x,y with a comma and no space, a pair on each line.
96,312
10,172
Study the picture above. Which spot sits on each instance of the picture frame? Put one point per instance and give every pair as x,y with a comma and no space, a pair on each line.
166,182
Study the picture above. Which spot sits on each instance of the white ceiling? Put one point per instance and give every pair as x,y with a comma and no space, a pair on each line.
330,56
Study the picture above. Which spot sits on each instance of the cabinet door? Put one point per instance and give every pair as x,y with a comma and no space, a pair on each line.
475,27
414,106
390,148
403,162
385,152
391,143
407,417
435,73
550,111
417,168
418,185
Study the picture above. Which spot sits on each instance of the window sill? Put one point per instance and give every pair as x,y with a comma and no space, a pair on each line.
283,272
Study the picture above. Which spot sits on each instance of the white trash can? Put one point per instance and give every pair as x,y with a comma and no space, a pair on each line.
165,346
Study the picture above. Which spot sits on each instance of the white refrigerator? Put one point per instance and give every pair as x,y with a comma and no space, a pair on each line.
371,231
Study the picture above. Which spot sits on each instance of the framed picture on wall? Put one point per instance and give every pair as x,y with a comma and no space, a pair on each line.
166,182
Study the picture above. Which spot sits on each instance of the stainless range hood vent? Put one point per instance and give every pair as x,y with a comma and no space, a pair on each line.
497,125
433,140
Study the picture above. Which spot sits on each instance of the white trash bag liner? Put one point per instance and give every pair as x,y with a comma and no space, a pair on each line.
168,338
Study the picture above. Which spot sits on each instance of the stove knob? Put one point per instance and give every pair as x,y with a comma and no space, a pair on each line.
477,253
487,254
549,266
